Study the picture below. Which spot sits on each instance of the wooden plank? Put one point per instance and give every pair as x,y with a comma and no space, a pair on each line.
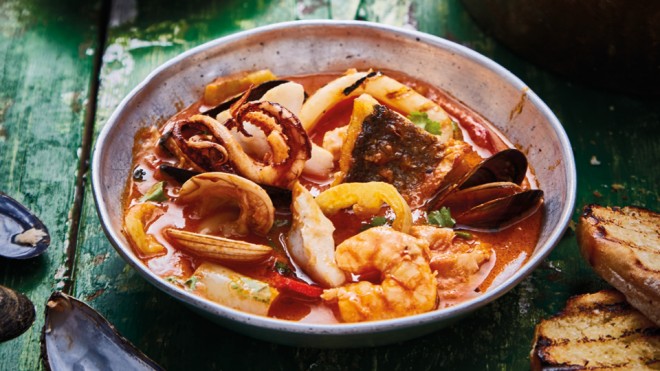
623,138
46,65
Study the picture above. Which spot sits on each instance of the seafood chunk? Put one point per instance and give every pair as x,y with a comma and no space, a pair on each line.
76,337
386,89
212,146
224,286
381,145
457,261
210,191
22,234
407,284
16,313
333,140
310,241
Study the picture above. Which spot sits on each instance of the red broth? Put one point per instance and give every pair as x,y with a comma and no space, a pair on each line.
510,247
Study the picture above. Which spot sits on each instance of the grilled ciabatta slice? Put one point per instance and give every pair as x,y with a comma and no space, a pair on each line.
623,247
599,331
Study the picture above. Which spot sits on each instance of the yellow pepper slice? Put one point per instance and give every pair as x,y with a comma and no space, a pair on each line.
134,225
368,198
228,86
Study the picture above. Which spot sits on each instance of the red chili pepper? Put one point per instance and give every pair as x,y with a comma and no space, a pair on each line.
295,286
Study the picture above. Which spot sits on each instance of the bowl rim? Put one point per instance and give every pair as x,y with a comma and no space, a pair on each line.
343,328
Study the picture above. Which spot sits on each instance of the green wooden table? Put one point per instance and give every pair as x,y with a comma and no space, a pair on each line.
64,67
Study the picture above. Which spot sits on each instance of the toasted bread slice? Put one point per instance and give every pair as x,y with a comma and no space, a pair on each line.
623,246
599,331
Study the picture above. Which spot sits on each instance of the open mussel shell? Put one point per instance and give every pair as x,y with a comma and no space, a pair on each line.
16,313
76,337
462,200
500,213
255,94
22,234
509,165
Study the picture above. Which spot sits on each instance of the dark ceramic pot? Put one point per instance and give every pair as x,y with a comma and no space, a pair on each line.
614,44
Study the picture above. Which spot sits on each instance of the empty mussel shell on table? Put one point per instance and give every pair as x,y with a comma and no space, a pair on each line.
16,313
76,337
22,234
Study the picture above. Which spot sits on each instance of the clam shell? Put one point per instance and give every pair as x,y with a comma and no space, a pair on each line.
218,248
16,313
76,337
22,234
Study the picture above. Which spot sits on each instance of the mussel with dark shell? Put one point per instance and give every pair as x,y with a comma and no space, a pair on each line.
16,313
22,234
76,337
490,198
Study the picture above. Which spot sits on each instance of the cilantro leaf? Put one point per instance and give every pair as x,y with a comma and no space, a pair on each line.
441,218
156,193
377,221
191,283
282,268
464,235
422,120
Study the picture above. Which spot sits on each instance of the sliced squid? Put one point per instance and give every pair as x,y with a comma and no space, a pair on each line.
385,89
290,144
292,95
310,241
257,144
224,286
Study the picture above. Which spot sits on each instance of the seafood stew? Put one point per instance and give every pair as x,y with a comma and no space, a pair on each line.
330,198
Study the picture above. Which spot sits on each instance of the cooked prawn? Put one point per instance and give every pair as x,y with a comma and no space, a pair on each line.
407,285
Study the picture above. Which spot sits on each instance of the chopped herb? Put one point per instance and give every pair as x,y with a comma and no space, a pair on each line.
377,221
191,283
155,193
441,218
464,235
458,134
280,223
422,120
282,268
139,174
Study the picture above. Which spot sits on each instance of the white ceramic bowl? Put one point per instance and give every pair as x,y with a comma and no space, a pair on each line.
295,48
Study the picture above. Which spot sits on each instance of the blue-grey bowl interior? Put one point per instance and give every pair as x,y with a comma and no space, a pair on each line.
306,47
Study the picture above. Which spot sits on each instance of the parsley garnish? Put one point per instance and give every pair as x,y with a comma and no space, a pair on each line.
422,120
191,283
282,268
156,193
377,221
280,223
441,218
464,235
